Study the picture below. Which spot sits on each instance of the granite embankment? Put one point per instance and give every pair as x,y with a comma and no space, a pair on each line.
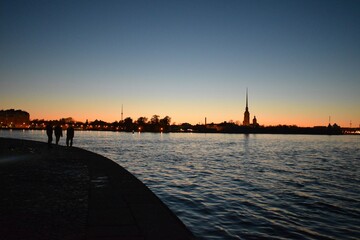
71,193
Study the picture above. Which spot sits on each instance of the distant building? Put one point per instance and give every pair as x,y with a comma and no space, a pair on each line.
246,121
255,121
14,118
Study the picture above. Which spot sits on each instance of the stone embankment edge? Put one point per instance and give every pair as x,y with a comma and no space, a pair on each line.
120,206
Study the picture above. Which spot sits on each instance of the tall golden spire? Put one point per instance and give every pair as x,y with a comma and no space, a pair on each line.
246,121
246,100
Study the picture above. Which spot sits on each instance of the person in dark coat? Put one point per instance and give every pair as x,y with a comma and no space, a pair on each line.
69,135
49,132
58,133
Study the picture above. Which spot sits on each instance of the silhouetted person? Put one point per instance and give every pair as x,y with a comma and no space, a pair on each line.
58,133
69,135
49,132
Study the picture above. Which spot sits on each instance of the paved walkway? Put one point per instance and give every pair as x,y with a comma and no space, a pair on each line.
70,193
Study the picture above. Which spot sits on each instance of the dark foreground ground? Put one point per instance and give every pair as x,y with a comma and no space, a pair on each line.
70,193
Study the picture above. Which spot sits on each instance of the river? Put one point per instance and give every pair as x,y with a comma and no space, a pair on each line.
237,186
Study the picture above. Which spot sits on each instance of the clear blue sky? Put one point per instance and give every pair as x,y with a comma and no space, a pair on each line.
186,59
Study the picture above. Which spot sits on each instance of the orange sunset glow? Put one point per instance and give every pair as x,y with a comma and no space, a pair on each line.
172,59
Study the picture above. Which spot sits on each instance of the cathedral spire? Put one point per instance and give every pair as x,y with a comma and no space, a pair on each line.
246,121
247,99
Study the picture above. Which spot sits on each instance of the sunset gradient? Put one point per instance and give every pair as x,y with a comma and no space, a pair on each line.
189,60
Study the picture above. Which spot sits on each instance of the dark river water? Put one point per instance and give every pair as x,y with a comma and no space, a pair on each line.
235,186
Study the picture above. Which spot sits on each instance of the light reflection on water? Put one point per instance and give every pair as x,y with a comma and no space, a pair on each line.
243,186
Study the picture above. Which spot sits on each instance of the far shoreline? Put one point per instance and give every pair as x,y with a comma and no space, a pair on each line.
261,130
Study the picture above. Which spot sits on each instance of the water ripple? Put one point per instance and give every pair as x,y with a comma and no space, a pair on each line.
244,186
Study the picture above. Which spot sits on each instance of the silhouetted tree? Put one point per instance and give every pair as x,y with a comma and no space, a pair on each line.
165,123
99,123
154,123
155,120
128,124
185,126
114,125
142,123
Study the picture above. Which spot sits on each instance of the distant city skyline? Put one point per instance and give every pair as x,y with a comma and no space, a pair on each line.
184,59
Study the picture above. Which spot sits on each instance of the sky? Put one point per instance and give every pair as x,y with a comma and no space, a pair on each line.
300,60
